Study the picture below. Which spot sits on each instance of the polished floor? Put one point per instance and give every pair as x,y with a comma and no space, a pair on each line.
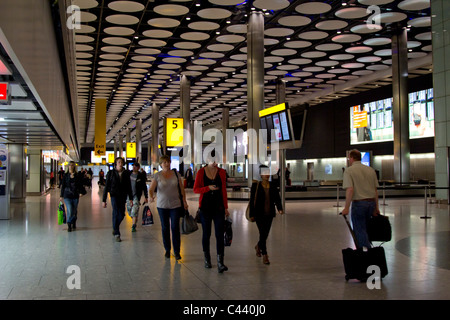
304,247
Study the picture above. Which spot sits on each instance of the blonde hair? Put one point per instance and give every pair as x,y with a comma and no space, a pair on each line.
74,169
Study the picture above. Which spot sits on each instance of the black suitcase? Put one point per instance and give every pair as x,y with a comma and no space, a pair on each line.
356,261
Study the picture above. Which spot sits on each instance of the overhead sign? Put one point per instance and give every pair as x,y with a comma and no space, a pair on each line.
174,132
271,110
131,149
100,127
5,94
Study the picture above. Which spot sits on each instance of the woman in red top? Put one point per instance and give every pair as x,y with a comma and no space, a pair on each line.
210,182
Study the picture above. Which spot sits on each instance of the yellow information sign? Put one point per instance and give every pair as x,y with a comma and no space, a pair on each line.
111,158
174,132
131,149
100,127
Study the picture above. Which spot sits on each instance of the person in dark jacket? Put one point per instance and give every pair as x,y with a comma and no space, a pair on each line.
71,189
264,197
118,185
138,186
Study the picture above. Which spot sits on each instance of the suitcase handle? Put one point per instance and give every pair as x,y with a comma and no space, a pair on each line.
350,228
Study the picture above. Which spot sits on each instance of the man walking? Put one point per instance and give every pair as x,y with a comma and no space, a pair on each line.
360,182
138,186
118,184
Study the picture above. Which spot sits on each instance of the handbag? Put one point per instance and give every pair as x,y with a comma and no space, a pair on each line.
61,214
228,232
379,228
247,211
188,224
147,216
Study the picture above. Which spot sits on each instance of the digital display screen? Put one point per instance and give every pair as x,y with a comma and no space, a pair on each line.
284,126
279,122
374,121
277,126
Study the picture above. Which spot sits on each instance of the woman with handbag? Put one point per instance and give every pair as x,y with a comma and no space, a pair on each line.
264,197
71,190
169,205
210,182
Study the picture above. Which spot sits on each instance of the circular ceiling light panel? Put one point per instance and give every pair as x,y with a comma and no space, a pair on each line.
122,19
377,41
214,13
420,22
112,56
346,38
157,33
327,63
83,39
424,36
342,57
194,36
366,28
126,6
187,45
85,29
378,67
220,47
237,28
369,59
353,65
204,26
226,2
271,4
329,47
374,2
313,8
331,25
313,35
212,55
278,32
171,10
87,16
83,47
294,21
390,17
358,49
313,54
414,5
352,13
298,44
119,31
85,4
180,53
117,41
284,52
114,49
230,38
163,23
384,53
300,61
152,43
147,51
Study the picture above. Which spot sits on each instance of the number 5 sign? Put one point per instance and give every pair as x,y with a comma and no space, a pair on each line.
173,132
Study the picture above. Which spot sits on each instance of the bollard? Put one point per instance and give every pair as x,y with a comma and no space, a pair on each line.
426,206
384,195
337,201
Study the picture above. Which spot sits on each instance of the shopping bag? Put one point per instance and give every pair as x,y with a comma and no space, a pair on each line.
61,214
147,216
188,224
228,232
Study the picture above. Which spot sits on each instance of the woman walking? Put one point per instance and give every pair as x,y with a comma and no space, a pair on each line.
71,189
210,182
169,204
264,197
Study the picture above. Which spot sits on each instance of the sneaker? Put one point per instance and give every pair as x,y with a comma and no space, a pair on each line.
177,256
118,238
167,254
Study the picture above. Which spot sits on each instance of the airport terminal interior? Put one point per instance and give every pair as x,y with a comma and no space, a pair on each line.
294,84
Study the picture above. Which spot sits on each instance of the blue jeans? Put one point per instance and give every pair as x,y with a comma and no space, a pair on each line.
170,220
118,213
207,217
71,206
361,213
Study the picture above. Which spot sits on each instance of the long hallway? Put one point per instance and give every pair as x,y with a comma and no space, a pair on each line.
304,247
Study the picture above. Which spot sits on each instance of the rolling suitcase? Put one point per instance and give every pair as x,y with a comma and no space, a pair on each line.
356,261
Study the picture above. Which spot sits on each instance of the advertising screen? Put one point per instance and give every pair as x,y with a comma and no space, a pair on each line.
373,121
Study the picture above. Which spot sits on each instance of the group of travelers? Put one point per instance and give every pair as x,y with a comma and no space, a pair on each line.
126,188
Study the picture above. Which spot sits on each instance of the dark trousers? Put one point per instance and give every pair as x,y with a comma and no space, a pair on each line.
207,217
264,223
118,212
170,220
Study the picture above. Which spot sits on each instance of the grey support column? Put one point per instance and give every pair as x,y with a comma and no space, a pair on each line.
138,140
281,98
155,136
17,172
120,145
185,113
400,105
116,146
225,126
255,87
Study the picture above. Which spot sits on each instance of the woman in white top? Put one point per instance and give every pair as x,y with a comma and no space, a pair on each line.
169,204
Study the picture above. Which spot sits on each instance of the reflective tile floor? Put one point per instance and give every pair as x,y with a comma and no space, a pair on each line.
304,247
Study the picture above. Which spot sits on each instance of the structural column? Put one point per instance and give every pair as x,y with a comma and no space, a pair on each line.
120,145
138,140
225,147
17,172
185,113
281,98
155,137
400,105
255,88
